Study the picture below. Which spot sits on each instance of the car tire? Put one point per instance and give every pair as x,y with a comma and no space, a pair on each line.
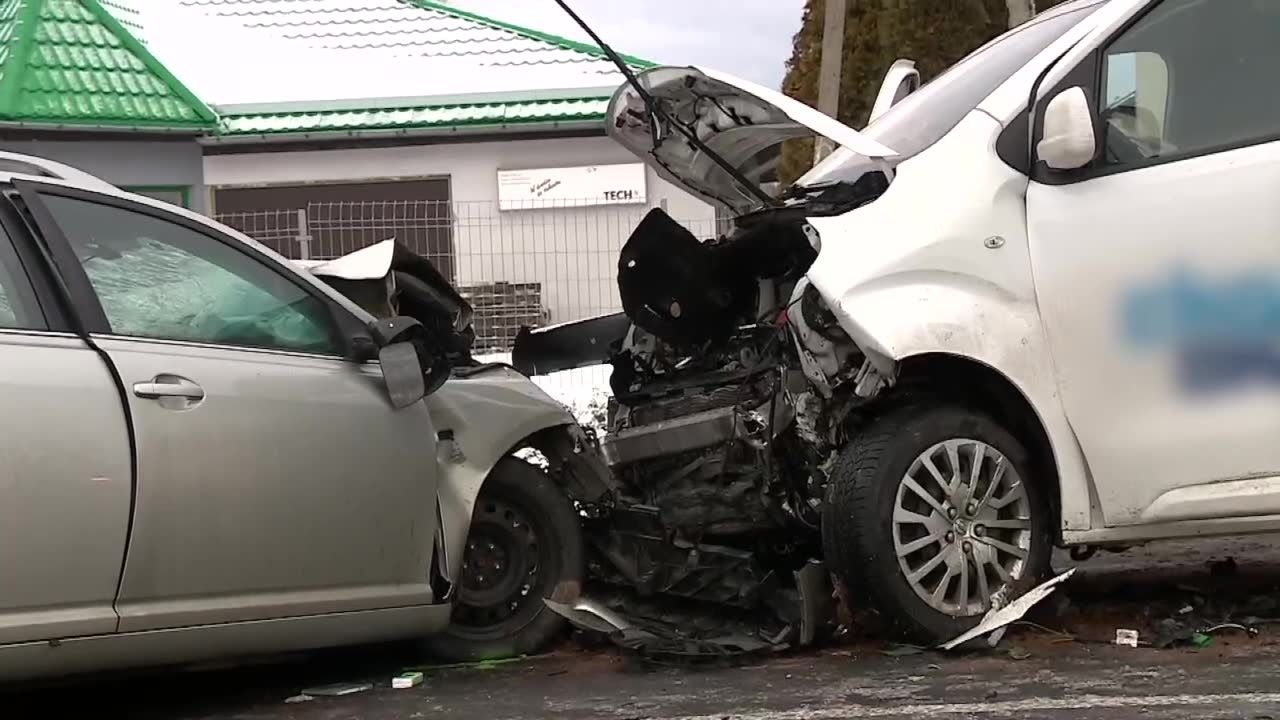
525,544
873,515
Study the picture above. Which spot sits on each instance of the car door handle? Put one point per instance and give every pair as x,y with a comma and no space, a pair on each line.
165,386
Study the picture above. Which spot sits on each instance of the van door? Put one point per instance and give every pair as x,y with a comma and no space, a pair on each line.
275,479
65,468
1157,267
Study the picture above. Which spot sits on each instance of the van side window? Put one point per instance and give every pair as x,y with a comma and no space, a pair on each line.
18,308
1169,91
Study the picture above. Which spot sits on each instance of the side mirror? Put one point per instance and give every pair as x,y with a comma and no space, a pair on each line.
900,80
403,373
1069,141
411,367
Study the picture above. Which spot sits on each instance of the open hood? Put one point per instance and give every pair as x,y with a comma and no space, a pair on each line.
743,123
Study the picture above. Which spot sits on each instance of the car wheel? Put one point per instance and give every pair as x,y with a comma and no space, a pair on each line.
525,544
937,513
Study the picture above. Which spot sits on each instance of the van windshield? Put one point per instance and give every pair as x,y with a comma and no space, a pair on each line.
925,116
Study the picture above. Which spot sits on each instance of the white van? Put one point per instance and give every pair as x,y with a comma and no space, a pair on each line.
1053,278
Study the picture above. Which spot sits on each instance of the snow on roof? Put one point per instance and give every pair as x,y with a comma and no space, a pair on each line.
297,55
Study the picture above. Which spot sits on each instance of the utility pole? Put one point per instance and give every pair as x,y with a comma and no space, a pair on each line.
831,70
1020,11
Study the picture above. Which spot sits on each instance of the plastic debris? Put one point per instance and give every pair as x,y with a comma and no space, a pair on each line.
997,619
1127,637
298,699
1200,640
337,689
406,680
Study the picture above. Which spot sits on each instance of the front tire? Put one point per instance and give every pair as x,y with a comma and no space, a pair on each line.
937,513
525,544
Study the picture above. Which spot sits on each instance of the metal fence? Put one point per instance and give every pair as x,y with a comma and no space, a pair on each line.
533,267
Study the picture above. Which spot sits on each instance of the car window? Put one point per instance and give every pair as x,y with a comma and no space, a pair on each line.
158,279
1167,91
18,308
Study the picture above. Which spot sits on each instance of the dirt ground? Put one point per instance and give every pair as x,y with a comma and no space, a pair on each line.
1065,665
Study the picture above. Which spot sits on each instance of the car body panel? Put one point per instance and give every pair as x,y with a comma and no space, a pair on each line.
249,501
904,283
209,643
65,485
1154,409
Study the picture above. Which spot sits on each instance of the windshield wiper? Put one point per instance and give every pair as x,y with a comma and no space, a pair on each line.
656,111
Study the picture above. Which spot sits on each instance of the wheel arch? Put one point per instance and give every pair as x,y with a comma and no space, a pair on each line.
975,384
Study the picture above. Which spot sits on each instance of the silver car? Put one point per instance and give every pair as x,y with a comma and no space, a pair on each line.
208,452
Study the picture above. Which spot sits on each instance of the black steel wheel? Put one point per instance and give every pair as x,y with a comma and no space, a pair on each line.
525,544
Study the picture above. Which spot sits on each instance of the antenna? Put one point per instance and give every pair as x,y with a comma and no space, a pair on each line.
656,110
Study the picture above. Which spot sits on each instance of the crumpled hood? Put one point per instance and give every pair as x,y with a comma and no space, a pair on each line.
740,121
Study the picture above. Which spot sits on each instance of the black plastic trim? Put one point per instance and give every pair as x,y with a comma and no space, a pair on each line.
39,290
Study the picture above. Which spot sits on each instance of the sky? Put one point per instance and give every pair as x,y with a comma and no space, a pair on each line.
747,38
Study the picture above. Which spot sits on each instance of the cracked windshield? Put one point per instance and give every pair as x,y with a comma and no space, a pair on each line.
755,360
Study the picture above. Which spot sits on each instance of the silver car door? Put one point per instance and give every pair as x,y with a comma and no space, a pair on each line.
274,477
65,471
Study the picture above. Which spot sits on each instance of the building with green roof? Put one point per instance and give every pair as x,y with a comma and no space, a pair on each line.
270,113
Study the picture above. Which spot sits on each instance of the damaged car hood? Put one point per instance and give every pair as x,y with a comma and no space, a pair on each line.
743,123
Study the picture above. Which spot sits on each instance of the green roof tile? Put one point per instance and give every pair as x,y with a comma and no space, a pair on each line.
417,118
70,62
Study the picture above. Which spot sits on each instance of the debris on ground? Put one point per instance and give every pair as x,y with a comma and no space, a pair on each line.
477,665
406,680
999,618
337,690
1250,631
668,632
1223,568
1127,637
1200,640
1018,652
901,650
295,699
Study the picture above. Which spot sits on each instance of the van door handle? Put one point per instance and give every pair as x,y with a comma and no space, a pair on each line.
164,386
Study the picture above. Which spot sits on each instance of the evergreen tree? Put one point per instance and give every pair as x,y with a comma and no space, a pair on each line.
933,33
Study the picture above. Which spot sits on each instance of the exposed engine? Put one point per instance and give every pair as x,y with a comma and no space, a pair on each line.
718,436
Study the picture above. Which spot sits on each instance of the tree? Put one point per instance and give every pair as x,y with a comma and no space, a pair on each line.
934,33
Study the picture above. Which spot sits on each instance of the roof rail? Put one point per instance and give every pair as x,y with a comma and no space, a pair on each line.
19,164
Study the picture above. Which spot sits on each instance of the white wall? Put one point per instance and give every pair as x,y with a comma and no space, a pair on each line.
572,251
127,162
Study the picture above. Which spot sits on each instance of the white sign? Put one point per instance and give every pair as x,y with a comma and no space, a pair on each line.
572,187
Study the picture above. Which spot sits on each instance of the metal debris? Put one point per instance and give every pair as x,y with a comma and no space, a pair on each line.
999,618
337,690
1250,631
